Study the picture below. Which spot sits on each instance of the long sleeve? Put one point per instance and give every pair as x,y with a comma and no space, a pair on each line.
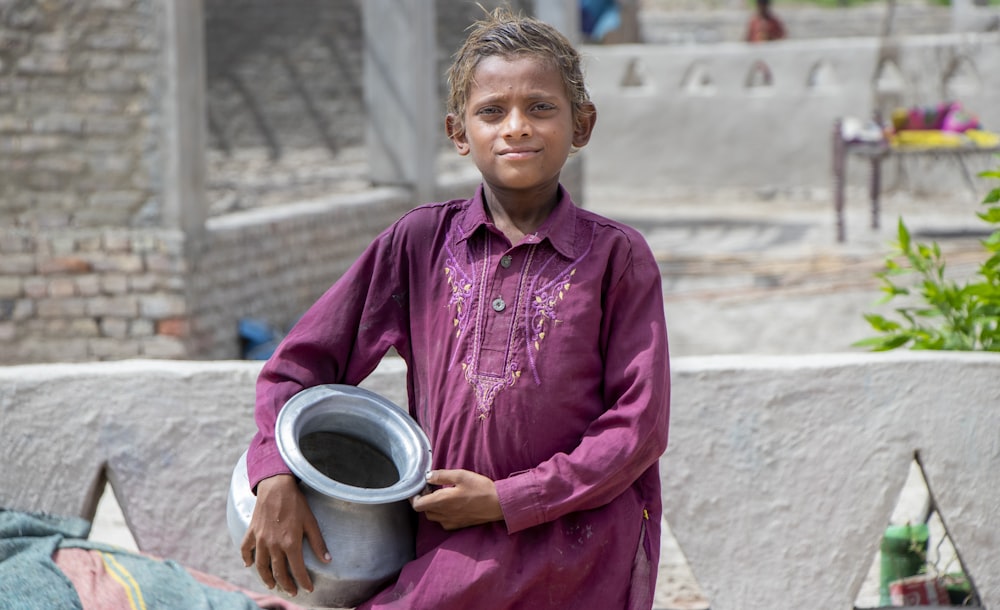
629,437
340,339
543,366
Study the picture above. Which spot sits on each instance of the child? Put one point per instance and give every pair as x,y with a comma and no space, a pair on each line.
534,337
764,25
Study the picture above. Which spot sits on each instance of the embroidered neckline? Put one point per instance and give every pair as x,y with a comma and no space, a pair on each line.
535,307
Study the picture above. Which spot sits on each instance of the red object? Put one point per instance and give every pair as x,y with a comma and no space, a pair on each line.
765,28
922,590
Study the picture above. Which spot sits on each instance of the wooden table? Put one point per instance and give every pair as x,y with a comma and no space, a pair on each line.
875,153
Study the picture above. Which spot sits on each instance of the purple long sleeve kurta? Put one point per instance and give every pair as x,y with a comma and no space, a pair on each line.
542,366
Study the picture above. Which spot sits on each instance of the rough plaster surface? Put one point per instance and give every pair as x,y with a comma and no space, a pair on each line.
166,434
783,471
780,476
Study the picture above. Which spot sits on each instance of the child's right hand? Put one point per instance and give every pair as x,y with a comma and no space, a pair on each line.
281,518
460,498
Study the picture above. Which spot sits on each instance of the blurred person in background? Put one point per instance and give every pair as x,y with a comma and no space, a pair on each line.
764,26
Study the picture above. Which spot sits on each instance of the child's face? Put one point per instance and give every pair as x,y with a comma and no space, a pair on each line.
519,124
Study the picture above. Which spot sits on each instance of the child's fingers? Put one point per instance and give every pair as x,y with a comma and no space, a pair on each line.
298,575
426,501
247,548
280,568
263,563
316,542
445,477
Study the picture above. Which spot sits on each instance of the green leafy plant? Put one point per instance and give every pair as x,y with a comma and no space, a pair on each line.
940,313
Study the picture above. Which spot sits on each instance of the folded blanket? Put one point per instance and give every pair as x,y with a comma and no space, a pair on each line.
46,562
28,577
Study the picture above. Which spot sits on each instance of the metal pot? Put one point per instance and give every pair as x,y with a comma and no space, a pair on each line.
359,458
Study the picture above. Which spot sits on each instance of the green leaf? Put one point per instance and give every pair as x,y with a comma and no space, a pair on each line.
895,342
904,236
875,343
940,313
979,291
991,215
881,323
992,240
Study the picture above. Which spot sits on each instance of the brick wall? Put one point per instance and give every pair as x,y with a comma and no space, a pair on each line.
78,123
273,263
86,271
114,293
91,294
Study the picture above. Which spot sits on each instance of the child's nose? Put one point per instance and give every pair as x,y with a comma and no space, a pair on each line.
517,124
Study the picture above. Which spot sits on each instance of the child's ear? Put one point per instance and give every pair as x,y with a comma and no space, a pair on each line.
585,121
456,133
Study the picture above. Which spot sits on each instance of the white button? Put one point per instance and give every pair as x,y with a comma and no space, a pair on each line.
499,305
505,261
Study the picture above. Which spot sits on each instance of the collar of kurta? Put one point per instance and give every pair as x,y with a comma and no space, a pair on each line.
559,228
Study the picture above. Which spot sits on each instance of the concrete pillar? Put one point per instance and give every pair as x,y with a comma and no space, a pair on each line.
405,121
184,122
563,15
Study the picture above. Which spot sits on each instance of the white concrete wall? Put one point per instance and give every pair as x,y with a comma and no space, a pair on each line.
682,119
781,474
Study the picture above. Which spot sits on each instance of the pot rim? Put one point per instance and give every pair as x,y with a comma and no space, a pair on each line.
302,410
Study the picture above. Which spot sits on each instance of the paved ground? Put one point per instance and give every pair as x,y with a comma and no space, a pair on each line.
744,275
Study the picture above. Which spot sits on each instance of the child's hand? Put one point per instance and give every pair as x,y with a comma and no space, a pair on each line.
463,500
273,541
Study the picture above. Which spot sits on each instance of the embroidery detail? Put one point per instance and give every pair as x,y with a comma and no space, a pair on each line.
535,306
488,386
461,283
541,311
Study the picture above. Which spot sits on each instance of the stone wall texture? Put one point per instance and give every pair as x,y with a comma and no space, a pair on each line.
272,264
86,270
79,89
92,294
111,294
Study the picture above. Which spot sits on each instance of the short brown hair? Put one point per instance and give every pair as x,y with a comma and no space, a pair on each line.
501,33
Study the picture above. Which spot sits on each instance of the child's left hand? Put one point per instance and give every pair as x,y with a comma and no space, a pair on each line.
464,499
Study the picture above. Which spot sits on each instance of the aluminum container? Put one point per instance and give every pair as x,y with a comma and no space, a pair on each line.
359,458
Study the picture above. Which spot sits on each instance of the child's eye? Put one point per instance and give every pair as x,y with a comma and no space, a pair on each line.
543,107
488,110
